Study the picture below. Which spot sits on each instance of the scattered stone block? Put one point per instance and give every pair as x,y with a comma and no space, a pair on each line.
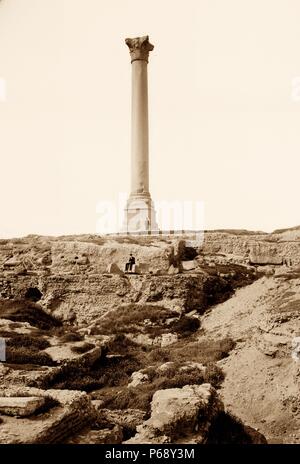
128,419
168,339
265,254
160,341
274,344
296,349
187,366
99,437
157,272
189,265
63,353
20,406
141,268
97,404
72,412
113,268
138,378
173,270
191,408
3,370
267,270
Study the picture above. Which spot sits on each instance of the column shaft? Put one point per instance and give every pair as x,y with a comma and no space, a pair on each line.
139,129
139,212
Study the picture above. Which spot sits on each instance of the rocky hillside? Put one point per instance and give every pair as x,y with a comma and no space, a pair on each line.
199,345
262,372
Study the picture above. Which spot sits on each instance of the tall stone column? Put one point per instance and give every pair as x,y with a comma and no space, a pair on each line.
139,213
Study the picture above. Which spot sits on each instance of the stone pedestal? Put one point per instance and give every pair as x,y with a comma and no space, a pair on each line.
139,211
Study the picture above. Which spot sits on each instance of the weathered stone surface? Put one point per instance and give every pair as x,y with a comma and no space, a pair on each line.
22,328
12,262
173,270
83,296
89,297
34,376
72,412
180,412
187,366
167,339
4,370
180,292
189,265
166,367
265,254
64,353
138,378
95,253
238,244
157,272
22,406
296,349
100,256
142,268
128,419
262,319
141,377
266,270
159,341
273,344
113,268
98,404
98,437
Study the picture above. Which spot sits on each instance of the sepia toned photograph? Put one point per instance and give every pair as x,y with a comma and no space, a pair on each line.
149,225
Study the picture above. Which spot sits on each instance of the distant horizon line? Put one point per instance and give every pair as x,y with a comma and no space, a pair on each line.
156,233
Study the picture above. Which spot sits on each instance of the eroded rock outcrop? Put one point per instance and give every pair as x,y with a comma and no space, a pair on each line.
261,372
180,415
67,412
78,282
263,247
20,406
127,419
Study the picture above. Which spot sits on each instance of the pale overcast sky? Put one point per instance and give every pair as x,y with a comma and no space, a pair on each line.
224,128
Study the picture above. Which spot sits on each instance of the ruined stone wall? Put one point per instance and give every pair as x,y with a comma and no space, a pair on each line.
262,248
73,412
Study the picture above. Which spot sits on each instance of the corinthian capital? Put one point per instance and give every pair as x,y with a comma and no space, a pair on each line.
139,48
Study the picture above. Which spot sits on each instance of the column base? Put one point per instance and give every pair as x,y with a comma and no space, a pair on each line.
139,214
